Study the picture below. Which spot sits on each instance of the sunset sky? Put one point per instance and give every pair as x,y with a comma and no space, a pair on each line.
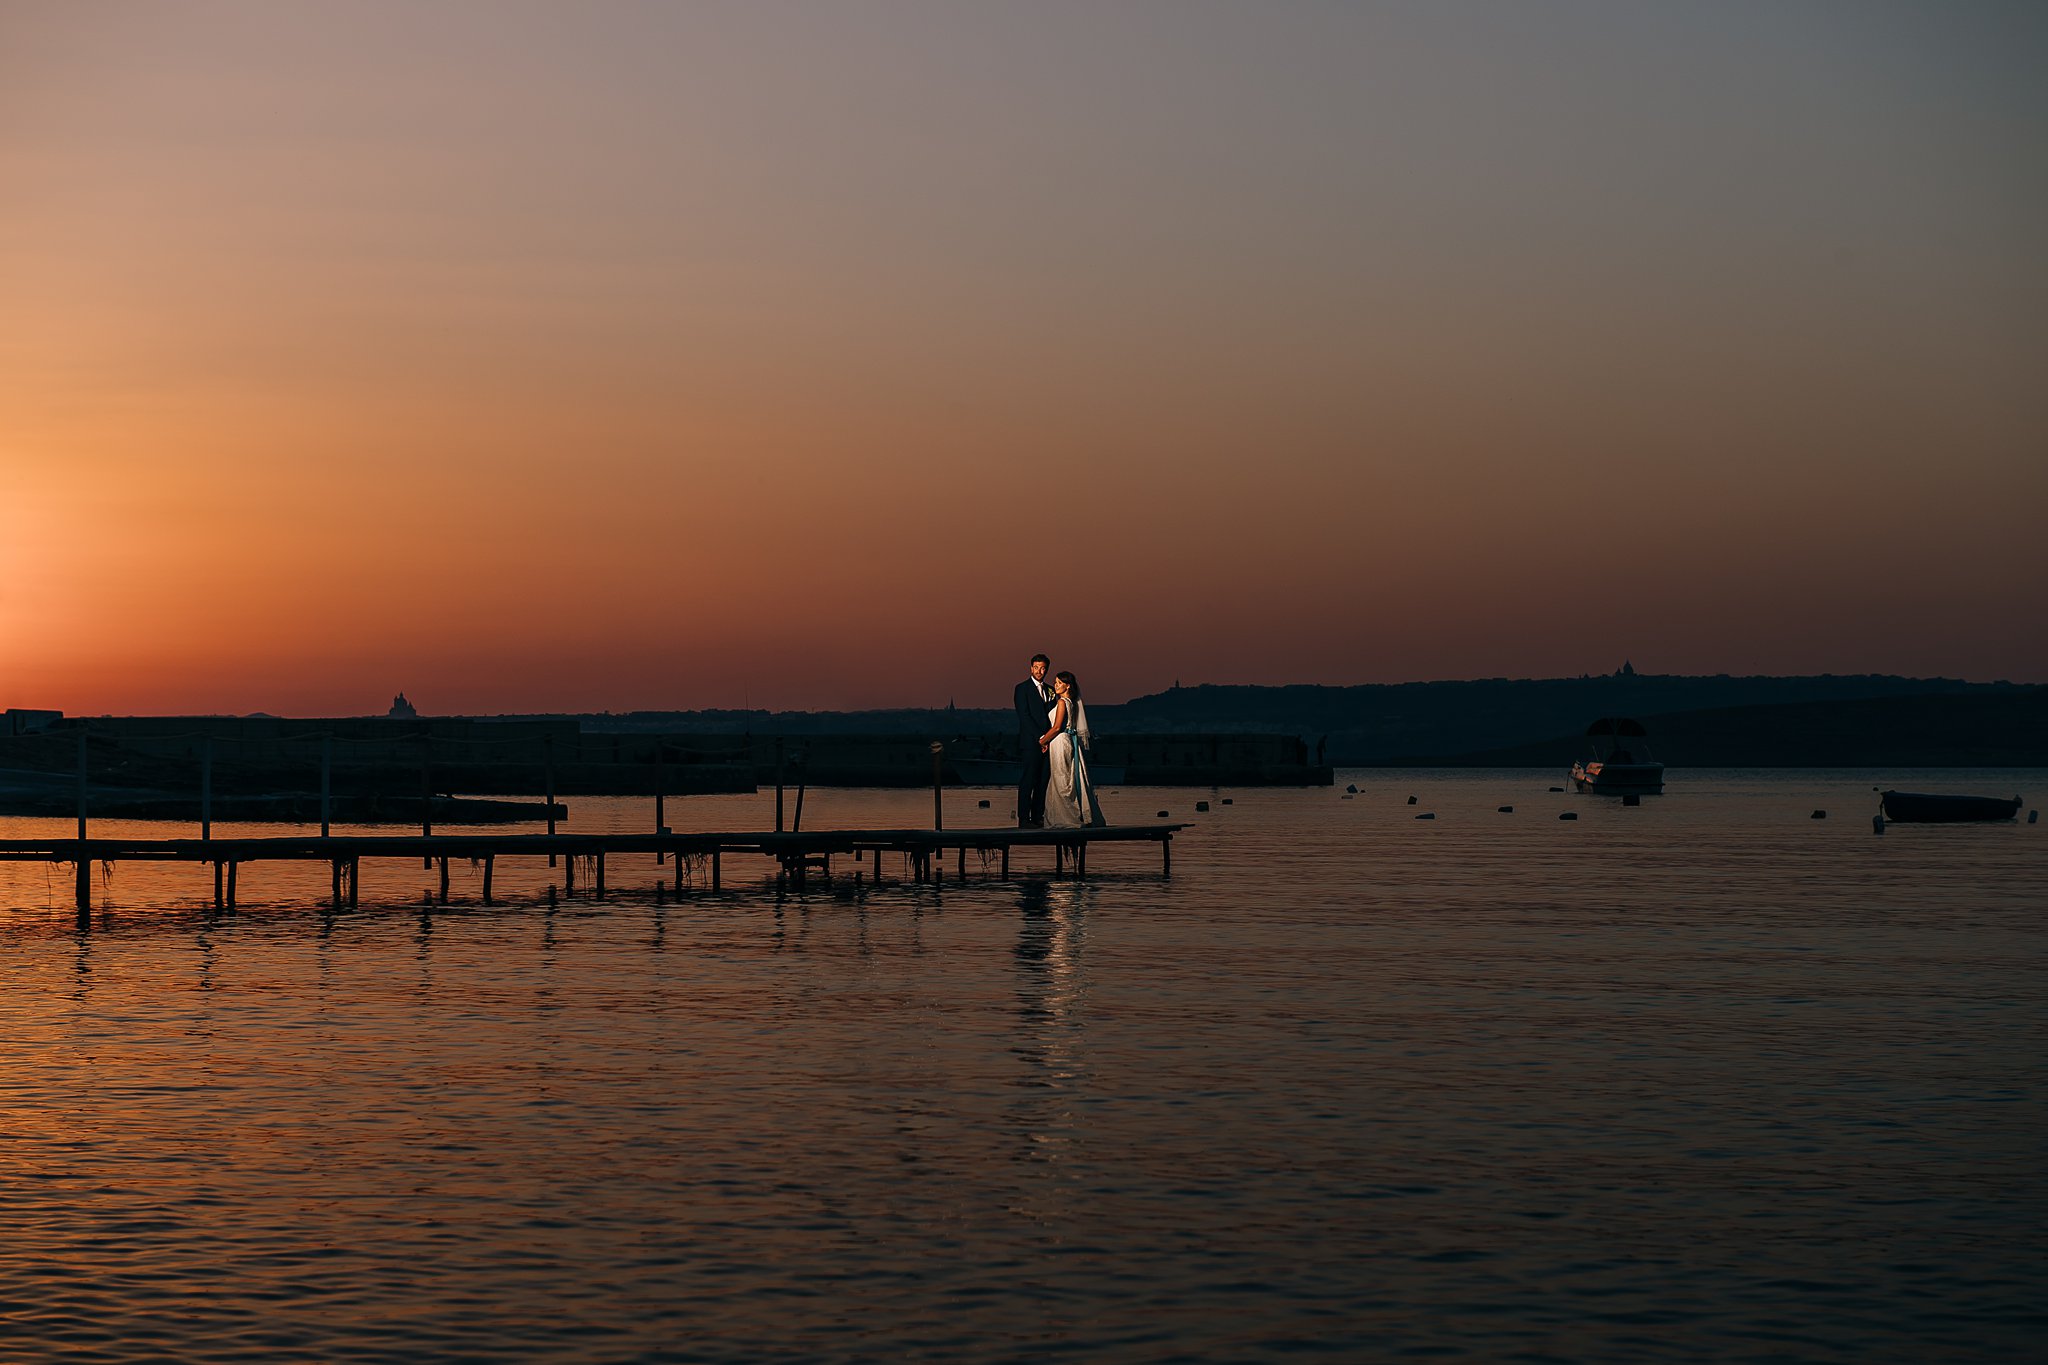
614,356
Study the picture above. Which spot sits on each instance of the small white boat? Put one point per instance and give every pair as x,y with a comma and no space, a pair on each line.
1620,763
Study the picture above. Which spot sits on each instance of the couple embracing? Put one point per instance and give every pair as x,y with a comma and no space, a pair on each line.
1052,740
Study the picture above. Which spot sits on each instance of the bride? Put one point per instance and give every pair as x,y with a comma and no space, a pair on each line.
1069,794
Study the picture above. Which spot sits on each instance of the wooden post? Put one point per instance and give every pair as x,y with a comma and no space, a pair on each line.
1081,860
1059,859
600,874
569,873
660,795
334,894
206,790
1006,862
679,873
326,786
714,869
802,781
490,861
426,794
1166,856
84,883
355,876
233,869
778,784
938,784
548,756
81,789
444,879
217,902
963,862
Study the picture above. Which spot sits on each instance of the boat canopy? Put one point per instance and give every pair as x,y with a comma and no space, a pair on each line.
1620,726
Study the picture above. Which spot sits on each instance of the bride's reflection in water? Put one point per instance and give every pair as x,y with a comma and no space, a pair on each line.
1051,1024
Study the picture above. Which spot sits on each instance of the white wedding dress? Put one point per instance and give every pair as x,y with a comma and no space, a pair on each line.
1069,794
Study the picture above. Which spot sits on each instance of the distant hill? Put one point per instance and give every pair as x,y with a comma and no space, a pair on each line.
1396,722
1484,719
1964,730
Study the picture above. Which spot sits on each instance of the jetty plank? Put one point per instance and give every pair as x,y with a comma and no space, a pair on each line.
796,852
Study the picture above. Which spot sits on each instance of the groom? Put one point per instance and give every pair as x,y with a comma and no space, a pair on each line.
1034,711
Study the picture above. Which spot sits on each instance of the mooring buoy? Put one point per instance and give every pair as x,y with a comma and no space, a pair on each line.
1507,810
1568,815
1557,789
1411,800
984,805
1201,805
1818,815
1351,787
1427,815
1228,801
1163,814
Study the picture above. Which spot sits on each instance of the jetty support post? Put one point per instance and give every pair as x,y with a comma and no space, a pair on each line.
426,793
326,785
778,784
81,791
547,745
1006,860
660,794
938,784
802,781
1166,856
714,869
84,888
233,869
355,874
490,862
206,788
444,879
600,873
335,894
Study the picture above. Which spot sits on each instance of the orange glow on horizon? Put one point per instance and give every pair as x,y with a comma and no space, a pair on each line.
677,363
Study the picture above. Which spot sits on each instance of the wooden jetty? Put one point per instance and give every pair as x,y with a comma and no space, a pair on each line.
800,854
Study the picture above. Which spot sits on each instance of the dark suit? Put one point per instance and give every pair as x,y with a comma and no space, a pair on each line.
1034,713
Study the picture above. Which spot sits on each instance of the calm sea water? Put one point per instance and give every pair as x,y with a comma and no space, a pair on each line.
1704,1079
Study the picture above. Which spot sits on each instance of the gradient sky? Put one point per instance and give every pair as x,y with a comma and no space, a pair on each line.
615,356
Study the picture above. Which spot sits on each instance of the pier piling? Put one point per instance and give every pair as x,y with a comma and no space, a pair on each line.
796,853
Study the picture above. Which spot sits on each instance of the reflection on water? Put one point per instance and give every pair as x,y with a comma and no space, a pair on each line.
1051,1030
1703,1078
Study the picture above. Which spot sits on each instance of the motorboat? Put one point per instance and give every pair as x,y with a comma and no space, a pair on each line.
1619,763
1935,808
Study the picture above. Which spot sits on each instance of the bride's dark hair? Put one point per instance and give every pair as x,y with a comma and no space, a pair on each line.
1068,679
